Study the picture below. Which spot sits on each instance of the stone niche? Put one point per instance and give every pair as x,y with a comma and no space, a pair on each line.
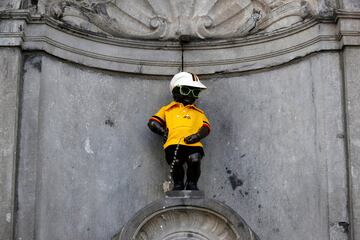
278,159
91,72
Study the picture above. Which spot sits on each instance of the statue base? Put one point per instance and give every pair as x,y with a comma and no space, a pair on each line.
186,215
185,194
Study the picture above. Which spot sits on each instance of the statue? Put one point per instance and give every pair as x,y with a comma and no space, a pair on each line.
183,125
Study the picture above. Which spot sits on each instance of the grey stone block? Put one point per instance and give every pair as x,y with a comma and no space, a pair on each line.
352,98
29,166
10,61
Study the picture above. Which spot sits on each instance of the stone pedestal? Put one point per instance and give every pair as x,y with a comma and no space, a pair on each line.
186,215
184,194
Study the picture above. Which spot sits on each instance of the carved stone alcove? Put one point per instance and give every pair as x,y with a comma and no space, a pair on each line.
142,36
186,217
168,20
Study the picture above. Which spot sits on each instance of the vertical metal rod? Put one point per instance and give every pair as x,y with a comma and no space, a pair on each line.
183,39
182,56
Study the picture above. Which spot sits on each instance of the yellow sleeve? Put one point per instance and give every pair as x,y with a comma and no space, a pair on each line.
206,122
159,116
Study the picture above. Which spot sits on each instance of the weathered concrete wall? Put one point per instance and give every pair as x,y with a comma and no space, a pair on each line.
276,152
352,97
10,63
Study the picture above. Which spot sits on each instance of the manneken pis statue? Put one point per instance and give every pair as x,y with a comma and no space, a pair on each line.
183,125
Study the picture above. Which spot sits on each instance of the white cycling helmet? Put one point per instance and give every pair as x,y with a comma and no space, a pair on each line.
186,79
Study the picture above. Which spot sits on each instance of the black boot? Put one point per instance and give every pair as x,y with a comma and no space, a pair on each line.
177,175
178,186
193,171
191,186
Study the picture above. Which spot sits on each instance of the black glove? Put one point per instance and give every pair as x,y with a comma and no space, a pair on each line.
193,138
157,128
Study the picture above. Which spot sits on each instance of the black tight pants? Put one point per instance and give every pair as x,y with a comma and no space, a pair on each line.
193,162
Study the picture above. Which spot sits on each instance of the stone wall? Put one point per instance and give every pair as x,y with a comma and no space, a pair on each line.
283,99
10,63
351,94
275,154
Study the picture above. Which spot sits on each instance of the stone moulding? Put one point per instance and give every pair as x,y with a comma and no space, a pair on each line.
168,20
181,218
37,32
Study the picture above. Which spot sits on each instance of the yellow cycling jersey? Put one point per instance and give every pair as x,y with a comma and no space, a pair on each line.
181,121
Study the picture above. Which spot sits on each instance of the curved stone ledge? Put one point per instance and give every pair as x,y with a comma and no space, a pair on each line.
33,32
186,218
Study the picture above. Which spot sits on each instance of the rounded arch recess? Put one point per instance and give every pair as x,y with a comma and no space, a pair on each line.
177,219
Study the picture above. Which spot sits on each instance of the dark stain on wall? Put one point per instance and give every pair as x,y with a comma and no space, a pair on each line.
109,122
345,226
35,61
235,181
276,230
